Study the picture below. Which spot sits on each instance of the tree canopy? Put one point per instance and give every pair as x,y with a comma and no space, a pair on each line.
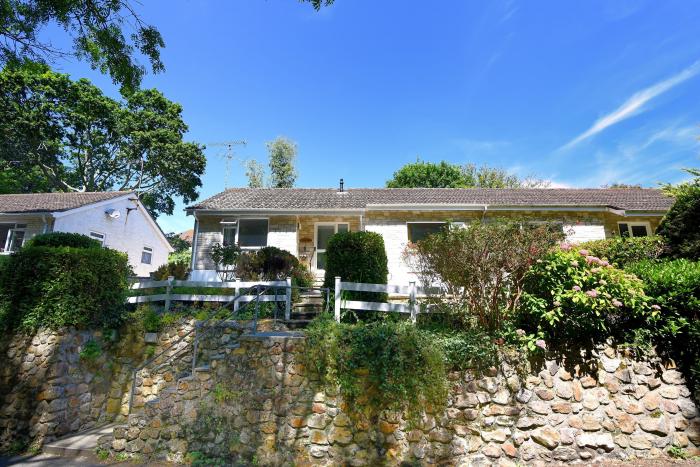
106,33
63,135
421,174
681,225
282,153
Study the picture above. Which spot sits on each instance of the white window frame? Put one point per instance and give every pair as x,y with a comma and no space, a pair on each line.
408,236
316,249
10,231
647,225
103,242
143,250
237,223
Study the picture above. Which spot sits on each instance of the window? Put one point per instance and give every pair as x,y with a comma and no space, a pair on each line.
324,231
633,229
229,235
98,236
418,231
12,237
252,233
147,255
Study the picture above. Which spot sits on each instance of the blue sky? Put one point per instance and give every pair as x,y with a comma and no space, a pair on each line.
579,93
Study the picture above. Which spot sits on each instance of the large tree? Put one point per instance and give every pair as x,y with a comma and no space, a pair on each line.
107,33
421,174
681,225
282,153
70,136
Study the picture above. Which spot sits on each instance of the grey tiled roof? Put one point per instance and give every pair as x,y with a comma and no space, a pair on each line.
53,202
301,199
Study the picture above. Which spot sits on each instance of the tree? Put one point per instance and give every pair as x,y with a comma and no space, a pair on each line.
421,174
255,173
106,33
317,4
282,152
177,242
681,225
78,139
618,185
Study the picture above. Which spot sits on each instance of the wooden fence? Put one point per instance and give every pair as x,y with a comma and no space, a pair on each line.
411,290
237,286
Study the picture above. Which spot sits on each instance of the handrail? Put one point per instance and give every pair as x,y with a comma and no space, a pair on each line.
182,338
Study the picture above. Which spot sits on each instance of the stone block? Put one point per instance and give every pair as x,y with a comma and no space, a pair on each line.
546,436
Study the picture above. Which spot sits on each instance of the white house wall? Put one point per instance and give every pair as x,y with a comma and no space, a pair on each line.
395,235
128,233
583,233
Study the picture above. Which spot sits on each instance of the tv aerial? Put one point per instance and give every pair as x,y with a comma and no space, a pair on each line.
228,154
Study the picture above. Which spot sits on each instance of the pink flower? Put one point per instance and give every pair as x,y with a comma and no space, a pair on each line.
574,263
596,270
583,252
576,288
617,303
565,246
592,293
604,263
520,332
541,344
603,282
655,307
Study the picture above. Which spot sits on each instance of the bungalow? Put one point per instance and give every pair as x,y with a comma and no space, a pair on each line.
116,219
301,220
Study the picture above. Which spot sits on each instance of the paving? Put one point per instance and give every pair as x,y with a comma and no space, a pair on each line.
78,444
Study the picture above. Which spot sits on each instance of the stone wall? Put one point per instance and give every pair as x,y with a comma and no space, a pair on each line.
256,403
47,390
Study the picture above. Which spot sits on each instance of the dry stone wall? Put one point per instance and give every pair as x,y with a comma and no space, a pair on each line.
47,390
257,403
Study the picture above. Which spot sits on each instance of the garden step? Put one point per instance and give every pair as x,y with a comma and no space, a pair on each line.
232,346
203,368
78,444
296,323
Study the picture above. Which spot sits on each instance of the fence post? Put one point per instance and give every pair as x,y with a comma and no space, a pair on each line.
288,300
168,291
236,291
337,299
412,300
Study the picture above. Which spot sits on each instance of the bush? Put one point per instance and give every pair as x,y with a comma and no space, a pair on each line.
184,256
621,251
357,257
479,270
674,286
53,287
179,270
148,318
572,294
58,239
271,263
383,365
681,225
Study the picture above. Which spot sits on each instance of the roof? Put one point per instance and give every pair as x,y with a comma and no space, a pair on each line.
53,202
308,199
187,235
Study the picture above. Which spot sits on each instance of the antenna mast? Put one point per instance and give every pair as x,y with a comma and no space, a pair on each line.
228,155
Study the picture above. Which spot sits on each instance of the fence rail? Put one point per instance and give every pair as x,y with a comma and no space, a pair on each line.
412,307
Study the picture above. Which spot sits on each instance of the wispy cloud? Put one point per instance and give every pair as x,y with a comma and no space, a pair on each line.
634,104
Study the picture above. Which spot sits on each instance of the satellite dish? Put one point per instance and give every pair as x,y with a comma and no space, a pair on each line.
113,213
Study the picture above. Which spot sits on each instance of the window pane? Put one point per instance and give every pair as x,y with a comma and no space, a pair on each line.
624,230
639,230
418,232
229,236
4,232
323,234
321,260
16,239
146,257
343,228
253,232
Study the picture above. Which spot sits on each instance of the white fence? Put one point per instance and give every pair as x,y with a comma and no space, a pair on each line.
411,290
236,286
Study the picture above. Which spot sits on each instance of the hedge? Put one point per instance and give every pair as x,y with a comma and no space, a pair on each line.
63,286
357,257
58,239
621,251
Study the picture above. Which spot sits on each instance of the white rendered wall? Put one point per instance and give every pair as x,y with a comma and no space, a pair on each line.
129,233
583,233
395,235
283,236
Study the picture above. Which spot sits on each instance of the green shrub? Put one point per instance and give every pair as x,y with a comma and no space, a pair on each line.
572,294
184,256
179,270
681,225
58,239
53,287
148,318
621,251
381,365
674,286
357,257
91,351
271,263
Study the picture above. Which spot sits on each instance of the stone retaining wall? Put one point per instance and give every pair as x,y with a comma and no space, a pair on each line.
257,404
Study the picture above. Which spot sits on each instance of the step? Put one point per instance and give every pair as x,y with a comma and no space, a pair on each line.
296,323
82,443
203,368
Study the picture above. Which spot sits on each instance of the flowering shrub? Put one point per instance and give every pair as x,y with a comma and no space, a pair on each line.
622,251
572,293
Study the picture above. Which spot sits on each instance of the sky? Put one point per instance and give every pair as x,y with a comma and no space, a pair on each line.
578,93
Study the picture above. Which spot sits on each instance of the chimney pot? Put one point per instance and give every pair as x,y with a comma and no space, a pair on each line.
342,183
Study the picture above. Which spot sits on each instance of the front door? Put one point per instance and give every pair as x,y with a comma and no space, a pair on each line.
323,233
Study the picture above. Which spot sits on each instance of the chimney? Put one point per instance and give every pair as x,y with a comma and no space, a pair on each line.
342,184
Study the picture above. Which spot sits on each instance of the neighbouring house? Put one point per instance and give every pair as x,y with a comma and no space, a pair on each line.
117,219
301,220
